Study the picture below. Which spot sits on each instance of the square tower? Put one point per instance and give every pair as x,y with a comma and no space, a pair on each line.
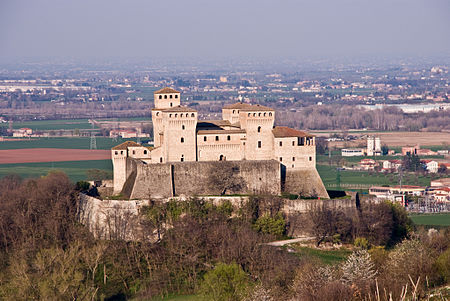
166,98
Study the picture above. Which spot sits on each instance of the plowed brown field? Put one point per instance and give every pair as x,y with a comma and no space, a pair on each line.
30,155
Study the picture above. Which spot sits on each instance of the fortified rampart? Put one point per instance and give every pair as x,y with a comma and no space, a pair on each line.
165,180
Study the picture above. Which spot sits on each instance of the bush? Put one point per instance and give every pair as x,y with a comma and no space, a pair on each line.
443,265
271,225
362,243
225,282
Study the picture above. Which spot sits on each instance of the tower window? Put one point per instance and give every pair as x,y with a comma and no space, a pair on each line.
170,96
228,137
293,158
176,96
182,140
310,158
192,115
217,138
116,152
293,143
134,152
259,129
270,114
160,96
160,160
170,104
204,138
145,151
259,144
248,115
281,159
233,111
121,152
281,143
183,127
165,96
182,158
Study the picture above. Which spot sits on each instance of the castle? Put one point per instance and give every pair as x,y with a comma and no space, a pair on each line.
186,150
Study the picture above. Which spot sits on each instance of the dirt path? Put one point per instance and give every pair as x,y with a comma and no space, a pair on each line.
280,243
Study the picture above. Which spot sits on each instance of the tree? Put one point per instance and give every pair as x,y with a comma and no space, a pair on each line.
411,162
225,282
98,174
271,225
358,268
226,179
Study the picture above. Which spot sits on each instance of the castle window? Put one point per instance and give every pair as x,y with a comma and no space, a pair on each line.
204,138
176,96
221,158
217,138
170,104
182,140
310,158
182,158
170,115
121,152
248,115
160,160
134,152
170,96
192,115
165,96
270,114
145,151
233,111
176,115
301,141
157,113
228,137
293,165
293,158
293,143
183,127
281,143
259,129
259,144
160,96
264,114
259,114
254,114
116,152
281,159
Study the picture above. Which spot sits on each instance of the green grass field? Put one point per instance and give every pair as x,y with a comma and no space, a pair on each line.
178,298
438,219
60,142
329,177
54,124
76,170
327,257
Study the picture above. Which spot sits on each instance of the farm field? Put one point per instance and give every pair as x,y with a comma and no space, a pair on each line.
30,155
393,139
54,124
364,178
325,256
61,142
438,219
76,170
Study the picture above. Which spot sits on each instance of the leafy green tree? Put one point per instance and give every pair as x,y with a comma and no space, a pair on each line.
226,282
271,225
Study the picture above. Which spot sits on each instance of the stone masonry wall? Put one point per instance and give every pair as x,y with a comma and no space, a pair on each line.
193,178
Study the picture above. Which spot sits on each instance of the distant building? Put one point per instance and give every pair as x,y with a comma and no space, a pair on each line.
367,164
440,182
385,193
352,152
392,165
416,150
431,165
23,132
373,146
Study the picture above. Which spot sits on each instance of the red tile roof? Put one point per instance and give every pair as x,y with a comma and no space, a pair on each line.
125,145
284,131
166,90
247,107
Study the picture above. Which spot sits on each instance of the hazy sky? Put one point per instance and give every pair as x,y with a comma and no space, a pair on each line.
229,28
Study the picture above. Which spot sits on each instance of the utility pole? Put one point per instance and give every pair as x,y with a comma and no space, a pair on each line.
93,144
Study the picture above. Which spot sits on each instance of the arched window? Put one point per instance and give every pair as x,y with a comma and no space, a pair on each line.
160,160
259,114
281,143
170,104
116,152
221,158
182,158
248,115
204,138
183,127
160,96
264,114
170,96
192,115
217,138
157,113
176,96
228,137
145,151
233,111
170,115
270,114
165,96
254,114
259,129
176,115
182,140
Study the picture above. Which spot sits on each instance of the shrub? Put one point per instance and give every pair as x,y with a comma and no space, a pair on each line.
271,225
225,282
362,243
443,265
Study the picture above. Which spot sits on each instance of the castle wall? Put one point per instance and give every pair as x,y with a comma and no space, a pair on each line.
303,182
194,178
228,145
294,156
119,168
